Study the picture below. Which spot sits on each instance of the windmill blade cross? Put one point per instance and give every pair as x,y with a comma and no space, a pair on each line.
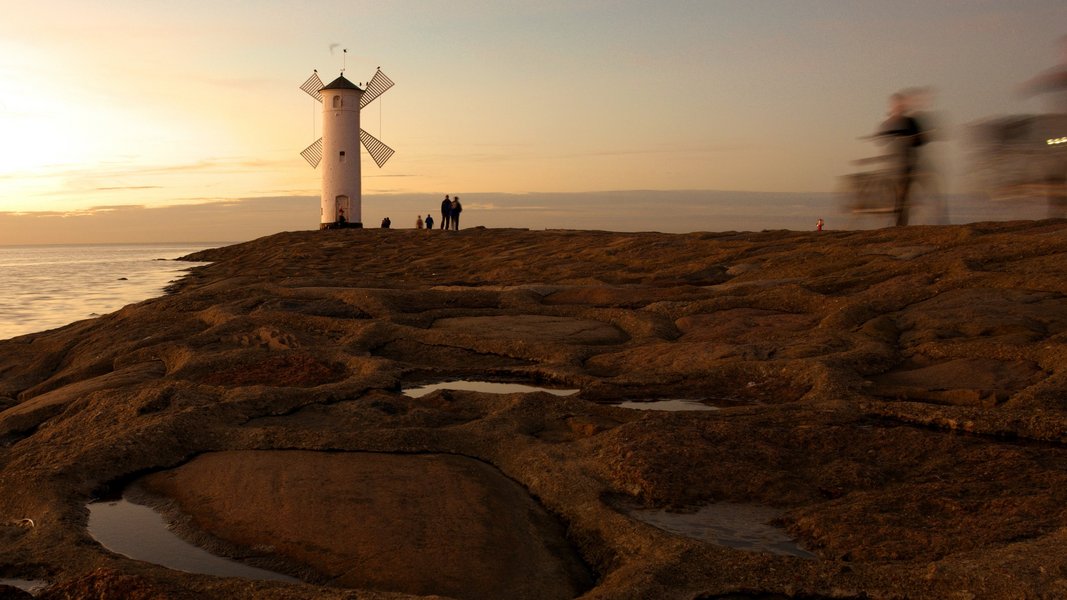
375,87
312,86
313,153
378,151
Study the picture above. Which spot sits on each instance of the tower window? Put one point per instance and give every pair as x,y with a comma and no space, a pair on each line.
337,102
342,156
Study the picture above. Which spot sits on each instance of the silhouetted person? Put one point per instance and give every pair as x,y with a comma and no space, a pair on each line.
904,137
418,222
386,223
429,222
456,209
341,221
446,211
918,102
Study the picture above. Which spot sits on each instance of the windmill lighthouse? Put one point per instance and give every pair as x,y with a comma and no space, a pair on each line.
338,148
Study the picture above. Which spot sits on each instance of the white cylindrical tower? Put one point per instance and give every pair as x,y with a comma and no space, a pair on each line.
342,194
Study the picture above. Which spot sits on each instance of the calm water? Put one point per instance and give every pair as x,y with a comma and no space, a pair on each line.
44,287
487,387
139,532
742,526
666,405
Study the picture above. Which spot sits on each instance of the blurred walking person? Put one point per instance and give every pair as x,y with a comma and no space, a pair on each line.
919,102
901,132
456,209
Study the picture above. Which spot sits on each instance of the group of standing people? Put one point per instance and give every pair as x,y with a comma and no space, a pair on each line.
450,211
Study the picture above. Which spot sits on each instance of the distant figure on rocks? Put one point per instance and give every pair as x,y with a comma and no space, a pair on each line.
456,209
386,223
429,222
446,211
418,222
818,225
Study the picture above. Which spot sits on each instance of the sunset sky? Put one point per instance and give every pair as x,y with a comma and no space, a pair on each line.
116,104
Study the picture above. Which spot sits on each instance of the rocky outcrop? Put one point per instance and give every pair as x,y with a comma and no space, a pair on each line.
897,396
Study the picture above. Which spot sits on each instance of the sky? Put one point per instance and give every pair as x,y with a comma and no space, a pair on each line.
139,107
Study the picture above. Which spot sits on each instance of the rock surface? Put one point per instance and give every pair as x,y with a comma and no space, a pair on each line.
898,396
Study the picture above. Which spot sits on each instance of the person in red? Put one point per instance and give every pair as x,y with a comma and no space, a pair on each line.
818,225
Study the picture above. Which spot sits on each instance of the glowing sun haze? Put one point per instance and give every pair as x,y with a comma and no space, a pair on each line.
124,103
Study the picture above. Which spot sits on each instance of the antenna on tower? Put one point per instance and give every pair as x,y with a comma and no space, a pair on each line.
344,60
315,113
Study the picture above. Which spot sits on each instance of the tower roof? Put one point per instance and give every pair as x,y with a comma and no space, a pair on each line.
341,84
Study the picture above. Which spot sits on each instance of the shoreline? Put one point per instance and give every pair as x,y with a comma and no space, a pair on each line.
48,288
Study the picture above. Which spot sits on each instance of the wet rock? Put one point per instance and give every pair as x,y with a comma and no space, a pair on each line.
421,524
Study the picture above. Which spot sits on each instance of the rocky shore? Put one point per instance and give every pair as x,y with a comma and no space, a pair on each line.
897,398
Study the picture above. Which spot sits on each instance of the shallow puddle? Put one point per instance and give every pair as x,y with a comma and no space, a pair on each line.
418,524
488,387
28,585
141,533
741,526
668,405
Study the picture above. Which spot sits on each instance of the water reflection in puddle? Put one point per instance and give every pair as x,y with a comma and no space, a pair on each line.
741,526
488,387
668,405
27,585
141,533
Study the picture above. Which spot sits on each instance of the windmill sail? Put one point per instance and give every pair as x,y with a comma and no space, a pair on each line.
375,87
313,85
378,151
313,153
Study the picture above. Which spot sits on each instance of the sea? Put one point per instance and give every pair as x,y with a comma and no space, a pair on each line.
45,287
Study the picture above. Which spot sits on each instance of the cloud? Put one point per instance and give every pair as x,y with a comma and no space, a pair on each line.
218,221
127,187
519,207
111,208
240,219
